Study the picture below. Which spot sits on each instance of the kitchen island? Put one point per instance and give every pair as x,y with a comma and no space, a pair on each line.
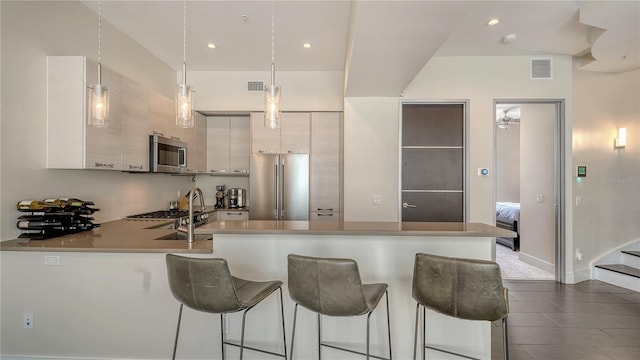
125,300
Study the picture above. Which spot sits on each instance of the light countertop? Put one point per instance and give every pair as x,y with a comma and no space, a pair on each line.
141,235
354,228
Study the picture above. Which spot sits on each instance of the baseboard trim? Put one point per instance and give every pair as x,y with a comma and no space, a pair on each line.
534,261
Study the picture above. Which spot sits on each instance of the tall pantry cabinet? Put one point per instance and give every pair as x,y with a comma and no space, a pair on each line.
326,166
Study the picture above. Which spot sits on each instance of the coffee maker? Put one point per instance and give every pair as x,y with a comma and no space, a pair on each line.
220,195
237,198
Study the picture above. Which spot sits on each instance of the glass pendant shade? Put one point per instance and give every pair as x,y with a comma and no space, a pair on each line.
272,107
99,116
184,107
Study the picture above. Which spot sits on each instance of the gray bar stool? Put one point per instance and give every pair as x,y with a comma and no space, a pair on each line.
462,288
207,285
333,287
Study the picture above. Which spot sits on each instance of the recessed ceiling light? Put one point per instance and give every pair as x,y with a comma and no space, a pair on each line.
493,22
211,45
306,46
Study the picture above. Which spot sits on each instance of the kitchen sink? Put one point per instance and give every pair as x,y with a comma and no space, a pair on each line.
178,235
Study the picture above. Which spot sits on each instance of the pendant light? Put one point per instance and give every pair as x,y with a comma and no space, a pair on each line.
99,115
184,101
272,92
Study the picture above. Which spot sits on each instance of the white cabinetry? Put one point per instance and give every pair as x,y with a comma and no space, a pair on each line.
135,127
292,136
201,143
228,144
159,114
233,214
326,166
196,139
239,145
71,142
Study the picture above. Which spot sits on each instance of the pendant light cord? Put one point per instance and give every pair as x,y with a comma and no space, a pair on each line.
99,30
273,34
184,31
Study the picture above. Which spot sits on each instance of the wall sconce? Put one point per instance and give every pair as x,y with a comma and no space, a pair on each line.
621,141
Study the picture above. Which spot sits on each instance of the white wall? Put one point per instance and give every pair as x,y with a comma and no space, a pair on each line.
371,159
371,126
608,215
538,177
30,32
508,164
300,90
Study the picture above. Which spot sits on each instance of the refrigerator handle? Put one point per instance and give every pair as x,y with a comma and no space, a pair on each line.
282,187
276,190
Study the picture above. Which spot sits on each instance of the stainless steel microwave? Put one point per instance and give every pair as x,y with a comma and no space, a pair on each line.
167,155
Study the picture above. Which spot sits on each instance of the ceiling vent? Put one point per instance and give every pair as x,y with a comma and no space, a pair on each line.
253,86
541,68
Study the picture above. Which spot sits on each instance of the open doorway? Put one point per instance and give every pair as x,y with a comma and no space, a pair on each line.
528,187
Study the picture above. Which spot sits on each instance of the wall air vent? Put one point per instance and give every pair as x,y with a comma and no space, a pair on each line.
541,68
253,86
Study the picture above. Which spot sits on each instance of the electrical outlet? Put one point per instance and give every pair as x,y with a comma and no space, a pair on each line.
376,199
52,260
28,320
578,255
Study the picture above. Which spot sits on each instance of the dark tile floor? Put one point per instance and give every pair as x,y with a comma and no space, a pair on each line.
585,321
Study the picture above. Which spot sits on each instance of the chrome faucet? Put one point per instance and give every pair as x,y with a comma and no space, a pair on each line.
191,226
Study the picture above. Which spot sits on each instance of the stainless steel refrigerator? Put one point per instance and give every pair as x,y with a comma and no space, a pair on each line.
279,187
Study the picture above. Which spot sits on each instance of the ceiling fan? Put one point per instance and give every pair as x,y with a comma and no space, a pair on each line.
505,121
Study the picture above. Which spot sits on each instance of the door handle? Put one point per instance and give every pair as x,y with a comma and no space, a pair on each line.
405,205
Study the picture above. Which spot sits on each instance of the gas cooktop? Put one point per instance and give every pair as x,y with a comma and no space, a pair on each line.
162,214
180,216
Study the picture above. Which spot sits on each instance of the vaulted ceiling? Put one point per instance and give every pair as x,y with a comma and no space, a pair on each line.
380,45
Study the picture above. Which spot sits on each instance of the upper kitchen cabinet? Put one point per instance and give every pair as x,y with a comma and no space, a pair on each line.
293,136
160,114
135,127
196,139
326,166
228,144
239,145
71,142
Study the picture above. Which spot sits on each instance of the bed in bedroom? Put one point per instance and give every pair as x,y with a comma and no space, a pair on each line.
508,217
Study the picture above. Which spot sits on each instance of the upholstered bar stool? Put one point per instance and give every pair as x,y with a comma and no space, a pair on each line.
332,287
207,285
462,288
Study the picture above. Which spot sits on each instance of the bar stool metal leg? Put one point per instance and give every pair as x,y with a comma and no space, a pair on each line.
368,322
505,339
293,331
284,333
388,324
222,340
424,332
415,332
319,339
175,343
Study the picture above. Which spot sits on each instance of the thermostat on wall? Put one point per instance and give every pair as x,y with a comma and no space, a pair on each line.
483,172
581,171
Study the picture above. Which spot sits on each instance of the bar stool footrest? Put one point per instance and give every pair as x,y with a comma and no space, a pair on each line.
352,351
226,342
450,352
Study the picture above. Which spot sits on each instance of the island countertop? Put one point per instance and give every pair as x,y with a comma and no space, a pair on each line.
141,235
454,229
